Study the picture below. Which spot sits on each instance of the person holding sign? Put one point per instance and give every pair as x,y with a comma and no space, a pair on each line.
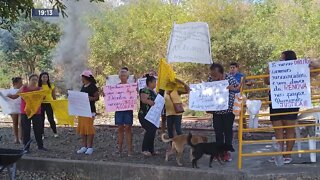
284,120
174,108
223,120
45,84
124,119
35,119
17,129
85,124
147,97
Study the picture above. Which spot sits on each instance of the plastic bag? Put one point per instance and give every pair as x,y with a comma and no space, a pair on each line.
253,108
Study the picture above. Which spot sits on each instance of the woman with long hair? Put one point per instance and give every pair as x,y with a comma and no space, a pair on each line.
45,84
85,125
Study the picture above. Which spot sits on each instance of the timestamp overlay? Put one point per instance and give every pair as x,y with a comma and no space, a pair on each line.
45,13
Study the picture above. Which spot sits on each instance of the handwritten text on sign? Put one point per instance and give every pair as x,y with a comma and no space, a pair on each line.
290,84
121,97
209,96
155,111
190,42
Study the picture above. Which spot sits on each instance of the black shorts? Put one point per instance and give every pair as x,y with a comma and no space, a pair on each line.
283,117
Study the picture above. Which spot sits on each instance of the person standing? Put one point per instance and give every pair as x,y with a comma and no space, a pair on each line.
147,98
85,124
124,119
35,119
223,120
174,118
17,129
45,84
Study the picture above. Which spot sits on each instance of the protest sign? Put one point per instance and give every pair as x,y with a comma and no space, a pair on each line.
190,42
78,104
114,79
155,111
120,97
290,84
9,106
209,96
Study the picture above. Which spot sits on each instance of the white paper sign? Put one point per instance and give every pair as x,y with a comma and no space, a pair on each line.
155,111
209,96
9,106
114,80
78,104
190,42
290,84
142,83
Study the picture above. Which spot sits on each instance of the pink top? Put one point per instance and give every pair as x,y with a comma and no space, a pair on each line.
23,103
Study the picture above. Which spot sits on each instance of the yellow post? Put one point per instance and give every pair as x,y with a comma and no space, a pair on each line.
240,128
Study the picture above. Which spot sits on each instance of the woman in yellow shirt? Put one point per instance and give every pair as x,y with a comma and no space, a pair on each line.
174,118
44,83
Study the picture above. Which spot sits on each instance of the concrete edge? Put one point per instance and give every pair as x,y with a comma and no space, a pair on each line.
117,170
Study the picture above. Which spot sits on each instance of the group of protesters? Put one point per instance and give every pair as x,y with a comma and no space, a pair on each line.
171,117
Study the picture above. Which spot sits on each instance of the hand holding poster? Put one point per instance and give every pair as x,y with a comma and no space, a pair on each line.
190,42
78,104
114,79
290,84
155,111
9,106
209,96
120,97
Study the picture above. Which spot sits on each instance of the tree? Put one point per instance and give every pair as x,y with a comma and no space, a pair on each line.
28,46
11,10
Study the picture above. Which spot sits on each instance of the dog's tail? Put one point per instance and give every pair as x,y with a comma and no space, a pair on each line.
164,139
189,140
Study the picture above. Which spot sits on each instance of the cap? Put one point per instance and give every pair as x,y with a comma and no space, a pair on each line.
86,73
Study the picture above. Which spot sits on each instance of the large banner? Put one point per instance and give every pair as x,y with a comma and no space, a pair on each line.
9,106
209,96
155,111
33,101
190,42
120,97
78,104
290,84
61,113
114,79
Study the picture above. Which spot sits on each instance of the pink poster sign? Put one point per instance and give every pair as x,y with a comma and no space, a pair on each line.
120,97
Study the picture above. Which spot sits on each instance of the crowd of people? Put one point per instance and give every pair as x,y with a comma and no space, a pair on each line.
171,116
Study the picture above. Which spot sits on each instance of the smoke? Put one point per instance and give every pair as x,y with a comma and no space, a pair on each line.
72,52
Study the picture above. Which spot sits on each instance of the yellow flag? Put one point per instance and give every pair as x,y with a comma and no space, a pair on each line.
167,78
33,101
60,109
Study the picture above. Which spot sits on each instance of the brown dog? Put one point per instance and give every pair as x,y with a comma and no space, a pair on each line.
178,143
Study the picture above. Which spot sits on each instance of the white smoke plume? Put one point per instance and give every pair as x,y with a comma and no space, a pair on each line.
73,49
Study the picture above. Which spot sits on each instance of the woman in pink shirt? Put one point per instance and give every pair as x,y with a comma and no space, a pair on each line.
36,119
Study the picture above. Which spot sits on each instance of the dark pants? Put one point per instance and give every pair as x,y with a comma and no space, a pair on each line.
174,120
37,129
222,124
46,108
149,135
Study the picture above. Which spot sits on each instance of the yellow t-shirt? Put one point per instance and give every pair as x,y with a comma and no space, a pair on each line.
175,97
48,93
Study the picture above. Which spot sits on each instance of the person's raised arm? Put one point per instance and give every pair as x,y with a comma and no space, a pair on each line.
186,86
15,96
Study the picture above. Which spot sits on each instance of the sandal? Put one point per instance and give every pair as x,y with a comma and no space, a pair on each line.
287,160
155,153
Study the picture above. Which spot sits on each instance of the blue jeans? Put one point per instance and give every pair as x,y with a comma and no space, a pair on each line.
174,120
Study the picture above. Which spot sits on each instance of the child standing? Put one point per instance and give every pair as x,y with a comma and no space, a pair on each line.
85,125
17,84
